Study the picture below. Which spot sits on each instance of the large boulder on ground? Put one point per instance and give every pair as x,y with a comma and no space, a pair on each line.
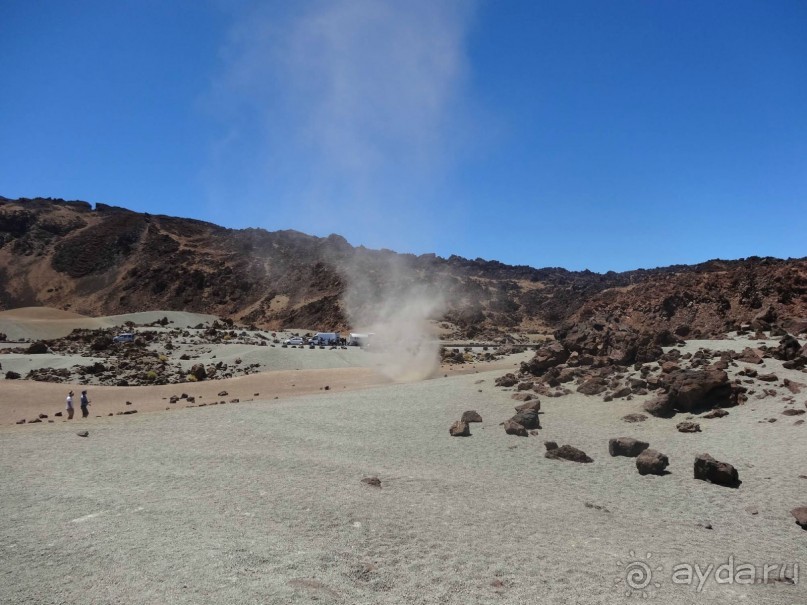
514,428
699,389
471,416
659,406
37,348
619,344
460,429
568,452
714,471
528,419
651,462
626,446
548,355
762,321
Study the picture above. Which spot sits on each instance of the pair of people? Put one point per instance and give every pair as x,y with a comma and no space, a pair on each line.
84,401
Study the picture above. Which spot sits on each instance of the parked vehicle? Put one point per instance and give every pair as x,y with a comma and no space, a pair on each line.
294,340
325,338
359,340
124,337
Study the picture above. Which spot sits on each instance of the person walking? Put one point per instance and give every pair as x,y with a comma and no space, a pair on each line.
70,405
84,404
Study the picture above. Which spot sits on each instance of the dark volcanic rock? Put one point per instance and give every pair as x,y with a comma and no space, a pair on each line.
372,481
533,404
634,418
626,446
713,471
528,419
508,380
471,416
548,356
688,427
651,462
690,390
660,406
788,349
514,428
568,452
718,413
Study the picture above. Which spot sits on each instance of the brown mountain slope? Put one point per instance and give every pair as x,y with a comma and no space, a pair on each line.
110,260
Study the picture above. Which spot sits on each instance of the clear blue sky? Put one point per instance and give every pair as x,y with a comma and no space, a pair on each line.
583,134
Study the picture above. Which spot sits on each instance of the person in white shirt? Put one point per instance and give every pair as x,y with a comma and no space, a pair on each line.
70,405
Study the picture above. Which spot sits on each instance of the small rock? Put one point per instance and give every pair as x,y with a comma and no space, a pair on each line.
372,481
460,429
514,428
83,433
21,421
634,418
793,412
752,509
688,427
801,516
223,393
528,419
718,413
568,452
550,445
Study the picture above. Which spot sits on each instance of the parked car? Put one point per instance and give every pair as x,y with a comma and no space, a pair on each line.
294,340
124,337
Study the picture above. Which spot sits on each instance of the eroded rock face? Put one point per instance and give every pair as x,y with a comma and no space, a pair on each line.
548,356
714,471
651,462
568,452
626,446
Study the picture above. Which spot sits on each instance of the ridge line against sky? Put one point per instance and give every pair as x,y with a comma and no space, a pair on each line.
607,136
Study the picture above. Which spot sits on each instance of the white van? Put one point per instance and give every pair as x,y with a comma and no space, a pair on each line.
325,338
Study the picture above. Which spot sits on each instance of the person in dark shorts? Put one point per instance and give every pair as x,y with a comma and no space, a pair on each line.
84,404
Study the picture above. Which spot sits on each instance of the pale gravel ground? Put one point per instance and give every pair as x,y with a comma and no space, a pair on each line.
262,503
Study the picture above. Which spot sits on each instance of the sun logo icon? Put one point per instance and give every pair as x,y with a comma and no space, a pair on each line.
637,576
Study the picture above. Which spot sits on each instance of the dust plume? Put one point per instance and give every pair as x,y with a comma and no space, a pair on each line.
396,307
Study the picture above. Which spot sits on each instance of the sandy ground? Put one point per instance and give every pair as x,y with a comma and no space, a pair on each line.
262,501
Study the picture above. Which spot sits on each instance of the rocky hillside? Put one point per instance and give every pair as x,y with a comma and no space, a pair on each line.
108,260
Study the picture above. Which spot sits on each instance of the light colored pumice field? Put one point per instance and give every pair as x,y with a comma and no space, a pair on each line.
262,502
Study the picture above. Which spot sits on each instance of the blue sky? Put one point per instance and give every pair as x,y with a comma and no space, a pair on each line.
583,134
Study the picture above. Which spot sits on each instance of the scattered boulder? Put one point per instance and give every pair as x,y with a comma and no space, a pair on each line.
471,416
37,348
718,413
568,452
372,481
788,349
528,419
714,471
460,429
533,404
793,412
626,446
508,380
651,462
593,386
550,445
514,428
198,371
688,427
12,375
83,433
22,421
634,418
